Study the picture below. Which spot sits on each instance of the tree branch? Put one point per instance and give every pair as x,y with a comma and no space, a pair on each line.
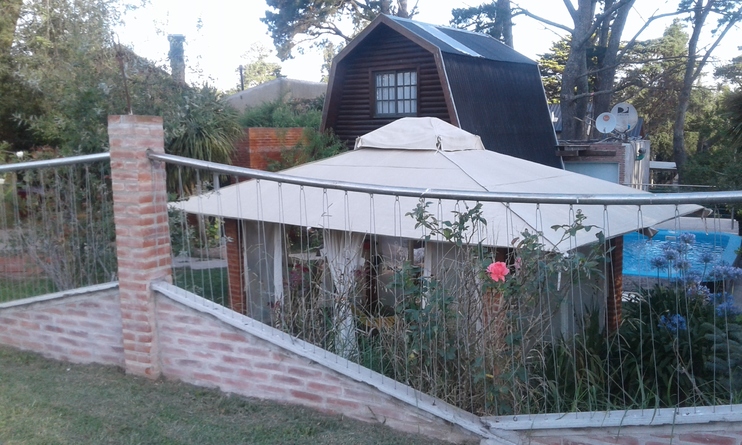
570,9
603,16
543,20
732,22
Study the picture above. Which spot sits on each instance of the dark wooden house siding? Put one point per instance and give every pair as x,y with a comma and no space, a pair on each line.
353,114
505,104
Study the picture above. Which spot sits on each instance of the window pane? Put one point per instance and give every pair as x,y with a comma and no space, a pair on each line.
396,93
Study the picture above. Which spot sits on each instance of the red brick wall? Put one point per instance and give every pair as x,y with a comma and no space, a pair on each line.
81,327
234,265
197,348
617,158
262,145
257,149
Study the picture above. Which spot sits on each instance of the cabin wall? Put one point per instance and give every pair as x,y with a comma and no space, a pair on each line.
352,112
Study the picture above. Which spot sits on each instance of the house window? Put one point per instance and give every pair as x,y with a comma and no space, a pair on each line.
396,93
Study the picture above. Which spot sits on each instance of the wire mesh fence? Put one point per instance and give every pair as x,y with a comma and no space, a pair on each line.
499,305
56,226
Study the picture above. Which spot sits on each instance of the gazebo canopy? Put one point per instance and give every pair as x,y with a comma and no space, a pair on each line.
428,153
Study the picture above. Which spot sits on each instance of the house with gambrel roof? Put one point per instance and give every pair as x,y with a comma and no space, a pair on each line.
399,67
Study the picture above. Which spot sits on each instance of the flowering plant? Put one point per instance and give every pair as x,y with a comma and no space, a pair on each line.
497,271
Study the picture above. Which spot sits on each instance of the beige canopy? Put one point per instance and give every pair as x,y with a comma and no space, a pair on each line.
428,153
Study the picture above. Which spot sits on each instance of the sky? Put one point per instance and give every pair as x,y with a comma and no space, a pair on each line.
220,32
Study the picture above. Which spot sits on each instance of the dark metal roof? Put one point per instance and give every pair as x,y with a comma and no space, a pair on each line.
463,42
504,103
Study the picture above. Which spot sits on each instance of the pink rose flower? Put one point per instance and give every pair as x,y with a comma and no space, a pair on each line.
498,270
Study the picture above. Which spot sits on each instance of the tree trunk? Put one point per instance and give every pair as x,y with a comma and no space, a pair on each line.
700,12
504,22
10,11
611,39
386,6
574,78
402,10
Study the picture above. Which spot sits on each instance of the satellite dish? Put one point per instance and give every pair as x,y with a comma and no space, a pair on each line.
626,116
605,123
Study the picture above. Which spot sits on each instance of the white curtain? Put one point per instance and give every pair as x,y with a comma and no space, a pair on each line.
344,254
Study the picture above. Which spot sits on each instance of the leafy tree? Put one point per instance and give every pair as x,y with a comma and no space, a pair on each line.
728,14
731,72
495,19
294,21
258,68
329,51
551,66
9,13
650,79
62,60
720,164
69,75
733,107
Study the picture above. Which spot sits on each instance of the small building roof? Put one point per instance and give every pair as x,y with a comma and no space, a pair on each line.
462,42
281,88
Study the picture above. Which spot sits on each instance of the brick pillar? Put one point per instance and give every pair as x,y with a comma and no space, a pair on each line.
142,234
235,272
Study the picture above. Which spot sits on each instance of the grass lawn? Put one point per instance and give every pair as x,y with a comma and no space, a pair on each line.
208,283
18,288
49,402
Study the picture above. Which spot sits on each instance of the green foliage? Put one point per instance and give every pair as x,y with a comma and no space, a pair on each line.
731,72
63,71
65,77
551,66
721,168
279,114
201,126
211,284
720,164
257,69
302,313
462,337
570,374
698,365
733,111
652,82
313,146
